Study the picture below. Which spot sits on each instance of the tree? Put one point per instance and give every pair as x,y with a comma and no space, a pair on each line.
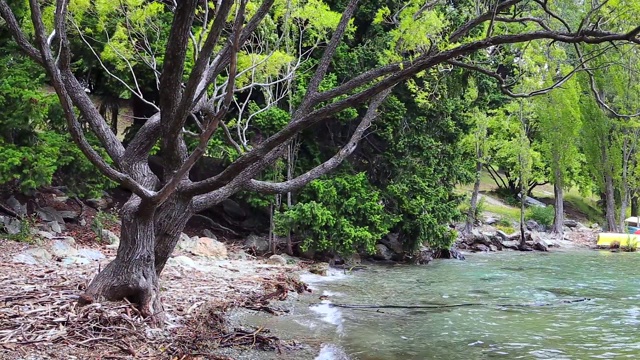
161,203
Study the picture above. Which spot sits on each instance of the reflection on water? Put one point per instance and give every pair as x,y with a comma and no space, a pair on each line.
605,327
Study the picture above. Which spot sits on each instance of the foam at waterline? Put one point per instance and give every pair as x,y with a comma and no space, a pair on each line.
312,279
331,352
329,314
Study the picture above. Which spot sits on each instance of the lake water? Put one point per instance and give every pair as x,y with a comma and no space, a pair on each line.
605,327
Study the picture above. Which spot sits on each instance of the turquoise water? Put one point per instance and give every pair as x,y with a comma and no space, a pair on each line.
605,327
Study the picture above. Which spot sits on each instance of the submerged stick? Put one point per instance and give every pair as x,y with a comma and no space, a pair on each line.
440,306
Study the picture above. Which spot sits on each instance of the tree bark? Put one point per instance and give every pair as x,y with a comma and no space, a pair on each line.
634,205
610,203
558,219
171,219
471,215
132,274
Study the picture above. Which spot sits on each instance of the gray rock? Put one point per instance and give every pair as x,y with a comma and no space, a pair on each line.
75,260
511,244
63,249
15,205
24,258
49,214
257,243
184,237
383,253
12,226
238,255
502,235
99,204
208,233
91,254
393,242
55,226
319,268
44,235
110,237
533,225
233,209
205,247
69,215
570,223
491,220
40,254
481,247
277,260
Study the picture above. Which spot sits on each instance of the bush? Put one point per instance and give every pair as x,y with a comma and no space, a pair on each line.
542,215
343,214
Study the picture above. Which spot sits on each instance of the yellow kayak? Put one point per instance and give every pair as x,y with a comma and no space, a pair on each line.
623,240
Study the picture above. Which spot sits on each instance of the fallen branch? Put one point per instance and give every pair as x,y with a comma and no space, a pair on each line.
9,210
441,306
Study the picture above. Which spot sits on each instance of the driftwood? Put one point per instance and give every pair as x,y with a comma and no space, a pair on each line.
441,306
9,210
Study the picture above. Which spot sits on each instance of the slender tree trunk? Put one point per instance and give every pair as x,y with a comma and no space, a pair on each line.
634,204
523,197
610,202
132,274
471,215
558,220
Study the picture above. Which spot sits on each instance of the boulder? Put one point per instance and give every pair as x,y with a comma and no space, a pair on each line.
91,254
208,233
45,235
111,238
33,257
205,247
62,249
260,245
502,235
12,226
20,209
277,260
233,210
533,225
320,268
49,214
69,215
450,254
570,223
480,247
99,204
75,260
55,227
511,244
383,253
491,220
393,242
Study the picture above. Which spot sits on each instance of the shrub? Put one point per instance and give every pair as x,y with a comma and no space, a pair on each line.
542,215
343,214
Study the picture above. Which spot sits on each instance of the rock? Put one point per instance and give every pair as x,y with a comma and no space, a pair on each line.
233,210
319,268
206,247
208,233
570,223
491,220
91,254
258,244
502,235
15,205
49,214
63,249
75,260
12,226
184,237
99,204
183,261
45,235
493,247
239,255
392,242
383,253
481,247
353,259
24,258
54,226
511,244
38,254
111,238
540,246
69,215
533,225
276,260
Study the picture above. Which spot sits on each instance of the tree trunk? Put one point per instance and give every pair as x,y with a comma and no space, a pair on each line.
132,274
558,220
610,203
523,197
171,219
471,215
634,205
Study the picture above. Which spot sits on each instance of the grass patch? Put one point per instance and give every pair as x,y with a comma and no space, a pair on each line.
586,206
504,211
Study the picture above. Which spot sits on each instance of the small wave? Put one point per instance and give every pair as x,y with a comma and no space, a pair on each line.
331,352
329,314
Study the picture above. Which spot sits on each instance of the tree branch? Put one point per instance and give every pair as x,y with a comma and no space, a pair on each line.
300,181
18,34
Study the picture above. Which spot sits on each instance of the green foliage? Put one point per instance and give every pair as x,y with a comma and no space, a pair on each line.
343,214
24,235
103,220
542,215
